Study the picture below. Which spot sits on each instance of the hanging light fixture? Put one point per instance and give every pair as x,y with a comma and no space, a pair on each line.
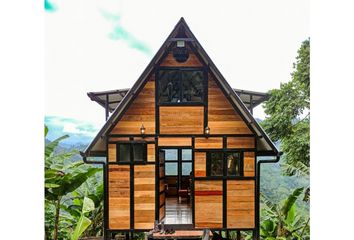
142,129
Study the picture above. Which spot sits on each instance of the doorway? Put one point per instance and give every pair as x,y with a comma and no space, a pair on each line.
178,180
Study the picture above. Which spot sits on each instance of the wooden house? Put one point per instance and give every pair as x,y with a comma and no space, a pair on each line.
180,146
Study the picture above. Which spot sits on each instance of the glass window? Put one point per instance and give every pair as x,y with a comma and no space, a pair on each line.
138,152
171,154
233,161
171,169
186,154
169,86
192,86
186,168
124,153
125,150
216,164
180,86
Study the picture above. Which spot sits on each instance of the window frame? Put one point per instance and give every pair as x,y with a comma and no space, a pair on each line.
224,162
131,150
203,102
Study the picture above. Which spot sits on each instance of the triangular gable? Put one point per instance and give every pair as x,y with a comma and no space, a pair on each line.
181,30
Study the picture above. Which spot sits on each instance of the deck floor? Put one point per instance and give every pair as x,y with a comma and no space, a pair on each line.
178,213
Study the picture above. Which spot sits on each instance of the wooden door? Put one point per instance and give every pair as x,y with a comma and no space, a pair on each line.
162,193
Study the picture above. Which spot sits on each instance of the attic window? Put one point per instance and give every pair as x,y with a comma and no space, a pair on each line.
181,86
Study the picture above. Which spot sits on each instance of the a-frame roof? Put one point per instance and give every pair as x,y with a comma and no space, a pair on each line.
264,145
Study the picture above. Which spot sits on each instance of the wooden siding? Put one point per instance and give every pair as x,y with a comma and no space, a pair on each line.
192,61
151,152
208,204
141,111
240,203
164,141
118,139
199,164
249,164
240,142
144,196
119,197
222,118
211,142
112,152
181,120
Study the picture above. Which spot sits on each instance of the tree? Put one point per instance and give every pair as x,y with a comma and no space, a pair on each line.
288,113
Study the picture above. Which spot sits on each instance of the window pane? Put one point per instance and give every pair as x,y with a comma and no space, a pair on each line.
138,152
171,169
233,164
169,86
216,165
186,168
186,154
124,153
171,154
192,86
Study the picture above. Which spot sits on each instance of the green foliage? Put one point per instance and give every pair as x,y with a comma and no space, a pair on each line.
286,108
281,221
66,203
83,223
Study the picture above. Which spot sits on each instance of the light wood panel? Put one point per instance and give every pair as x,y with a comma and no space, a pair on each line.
181,120
211,142
141,111
119,197
144,196
240,203
192,61
208,207
222,118
177,141
112,152
151,152
118,139
240,142
249,164
199,164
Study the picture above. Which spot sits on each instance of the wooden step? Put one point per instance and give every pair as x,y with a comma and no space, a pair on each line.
181,234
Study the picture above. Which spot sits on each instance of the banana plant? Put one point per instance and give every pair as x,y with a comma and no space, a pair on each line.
280,221
84,222
62,178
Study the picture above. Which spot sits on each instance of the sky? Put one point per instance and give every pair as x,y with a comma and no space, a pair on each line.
96,45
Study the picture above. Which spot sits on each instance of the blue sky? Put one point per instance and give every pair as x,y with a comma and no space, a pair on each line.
79,131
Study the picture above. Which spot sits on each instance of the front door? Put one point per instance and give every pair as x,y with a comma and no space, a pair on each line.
162,186
178,180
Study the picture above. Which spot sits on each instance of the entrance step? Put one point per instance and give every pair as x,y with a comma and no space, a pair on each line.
184,234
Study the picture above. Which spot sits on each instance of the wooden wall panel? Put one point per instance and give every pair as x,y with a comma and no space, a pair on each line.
240,203
178,141
240,142
199,164
192,61
151,152
249,164
211,142
112,152
119,197
118,139
222,118
144,196
208,204
181,120
141,111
